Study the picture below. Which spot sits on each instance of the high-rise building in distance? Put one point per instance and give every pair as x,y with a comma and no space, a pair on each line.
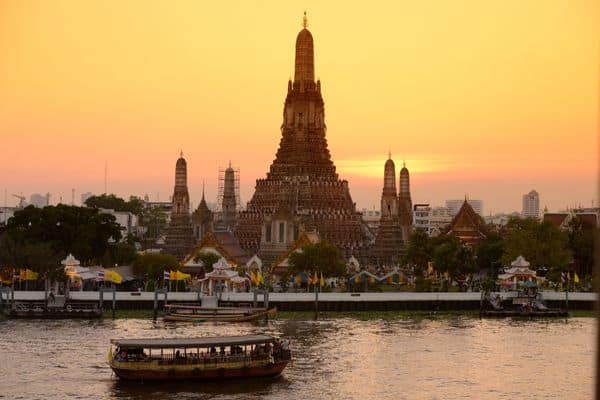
531,204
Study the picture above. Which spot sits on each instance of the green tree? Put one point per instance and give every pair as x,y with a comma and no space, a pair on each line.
489,251
207,259
66,229
153,264
135,205
419,251
119,253
38,257
581,243
155,221
323,257
452,257
541,243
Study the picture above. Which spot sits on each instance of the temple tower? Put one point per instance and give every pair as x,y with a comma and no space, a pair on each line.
389,196
229,204
388,245
202,219
405,211
302,190
180,236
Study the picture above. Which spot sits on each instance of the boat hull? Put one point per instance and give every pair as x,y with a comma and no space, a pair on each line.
216,317
188,372
520,314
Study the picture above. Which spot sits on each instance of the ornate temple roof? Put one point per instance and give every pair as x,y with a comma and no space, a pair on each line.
467,225
225,243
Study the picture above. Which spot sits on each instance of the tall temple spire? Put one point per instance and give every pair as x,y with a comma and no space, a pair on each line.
179,236
302,191
405,204
305,58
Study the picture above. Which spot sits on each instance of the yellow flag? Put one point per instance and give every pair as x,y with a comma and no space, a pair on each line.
357,279
182,276
322,280
112,276
575,278
260,279
28,275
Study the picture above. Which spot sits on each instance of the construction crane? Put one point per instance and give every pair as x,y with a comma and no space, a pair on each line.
21,200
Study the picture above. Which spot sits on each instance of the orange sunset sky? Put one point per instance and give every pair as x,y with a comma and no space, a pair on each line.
488,98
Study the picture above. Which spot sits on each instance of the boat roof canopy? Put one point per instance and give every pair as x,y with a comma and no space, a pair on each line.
192,342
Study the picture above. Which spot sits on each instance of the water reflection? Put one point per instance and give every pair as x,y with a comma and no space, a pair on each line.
420,358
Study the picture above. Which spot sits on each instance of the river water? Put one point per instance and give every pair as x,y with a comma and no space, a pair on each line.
340,358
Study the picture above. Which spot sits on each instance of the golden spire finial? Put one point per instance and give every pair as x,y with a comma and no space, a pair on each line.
181,153
304,21
389,154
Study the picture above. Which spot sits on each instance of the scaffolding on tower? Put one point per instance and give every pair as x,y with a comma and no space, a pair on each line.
221,188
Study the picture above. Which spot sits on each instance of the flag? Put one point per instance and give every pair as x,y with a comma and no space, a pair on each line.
357,279
260,279
575,277
568,276
253,278
112,276
298,279
182,276
100,275
166,275
322,280
315,280
28,275
563,277
429,268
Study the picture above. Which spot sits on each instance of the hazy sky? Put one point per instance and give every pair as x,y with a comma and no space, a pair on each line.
488,98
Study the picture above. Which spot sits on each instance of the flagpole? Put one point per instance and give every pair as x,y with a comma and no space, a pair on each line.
316,284
567,294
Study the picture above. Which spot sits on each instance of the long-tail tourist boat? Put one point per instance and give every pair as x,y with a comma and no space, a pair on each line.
208,358
185,313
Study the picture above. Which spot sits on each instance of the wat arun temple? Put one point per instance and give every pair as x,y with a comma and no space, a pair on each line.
302,190
302,195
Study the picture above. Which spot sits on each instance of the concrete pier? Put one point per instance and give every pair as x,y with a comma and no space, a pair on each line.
371,301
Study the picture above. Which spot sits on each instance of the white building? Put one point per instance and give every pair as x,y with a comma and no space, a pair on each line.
531,204
126,220
6,213
455,205
501,219
85,196
39,201
371,218
432,220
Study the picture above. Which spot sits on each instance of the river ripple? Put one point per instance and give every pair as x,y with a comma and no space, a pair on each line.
334,359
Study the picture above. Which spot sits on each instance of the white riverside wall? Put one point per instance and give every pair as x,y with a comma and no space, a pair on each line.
304,297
